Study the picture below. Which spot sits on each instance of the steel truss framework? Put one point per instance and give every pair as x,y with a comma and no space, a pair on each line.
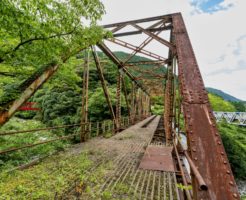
238,118
177,78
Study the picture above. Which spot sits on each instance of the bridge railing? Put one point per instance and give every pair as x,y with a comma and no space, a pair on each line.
92,129
238,118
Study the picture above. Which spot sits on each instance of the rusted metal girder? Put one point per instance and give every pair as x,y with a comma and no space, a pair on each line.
168,106
150,62
84,110
146,41
116,61
159,39
205,144
167,18
118,101
137,49
105,90
7,112
167,27
133,110
148,73
5,115
126,97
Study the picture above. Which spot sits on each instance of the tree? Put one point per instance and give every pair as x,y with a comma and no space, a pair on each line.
40,34
35,32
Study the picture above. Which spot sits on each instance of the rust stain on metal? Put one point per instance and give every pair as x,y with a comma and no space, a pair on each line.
200,123
157,158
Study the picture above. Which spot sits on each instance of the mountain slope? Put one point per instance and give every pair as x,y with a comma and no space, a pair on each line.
222,94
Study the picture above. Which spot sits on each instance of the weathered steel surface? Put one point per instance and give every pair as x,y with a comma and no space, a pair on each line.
84,110
105,89
157,158
238,118
118,101
5,115
120,65
166,17
207,150
137,49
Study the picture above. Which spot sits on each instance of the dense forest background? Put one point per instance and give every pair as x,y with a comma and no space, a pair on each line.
35,35
60,103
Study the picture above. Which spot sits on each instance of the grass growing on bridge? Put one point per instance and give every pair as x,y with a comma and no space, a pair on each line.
45,180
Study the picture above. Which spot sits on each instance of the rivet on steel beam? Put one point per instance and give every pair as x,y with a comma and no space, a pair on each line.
195,158
222,153
228,172
192,140
194,149
235,195
231,183
219,143
225,162
216,134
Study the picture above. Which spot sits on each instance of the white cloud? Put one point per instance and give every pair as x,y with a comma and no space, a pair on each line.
218,39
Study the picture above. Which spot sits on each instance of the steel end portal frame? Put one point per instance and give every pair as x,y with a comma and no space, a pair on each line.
205,146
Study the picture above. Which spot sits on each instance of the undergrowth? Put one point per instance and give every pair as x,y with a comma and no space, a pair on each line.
46,180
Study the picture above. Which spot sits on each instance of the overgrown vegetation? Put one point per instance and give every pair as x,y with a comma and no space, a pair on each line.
46,180
219,104
33,36
36,34
234,140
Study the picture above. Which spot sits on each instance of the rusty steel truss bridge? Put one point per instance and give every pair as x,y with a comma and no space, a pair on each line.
177,78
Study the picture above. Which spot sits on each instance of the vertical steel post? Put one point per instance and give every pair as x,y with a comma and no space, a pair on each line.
133,113
126,96
118,102
98,128
105,90
204,141
84,110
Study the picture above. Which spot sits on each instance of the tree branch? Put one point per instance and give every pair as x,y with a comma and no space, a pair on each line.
42,38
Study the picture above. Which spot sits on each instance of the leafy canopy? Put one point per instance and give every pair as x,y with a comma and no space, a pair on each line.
34,32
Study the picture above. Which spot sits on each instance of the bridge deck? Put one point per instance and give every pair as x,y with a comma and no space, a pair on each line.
114,173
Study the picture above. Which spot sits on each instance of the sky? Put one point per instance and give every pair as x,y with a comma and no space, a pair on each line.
216,28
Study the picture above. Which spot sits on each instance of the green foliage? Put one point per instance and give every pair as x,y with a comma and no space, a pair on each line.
157,105
36,32
234,140
183,187
240,106
9,160
45,180
218,104
223,95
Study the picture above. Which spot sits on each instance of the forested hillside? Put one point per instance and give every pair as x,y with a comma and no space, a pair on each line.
222,94
60,103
